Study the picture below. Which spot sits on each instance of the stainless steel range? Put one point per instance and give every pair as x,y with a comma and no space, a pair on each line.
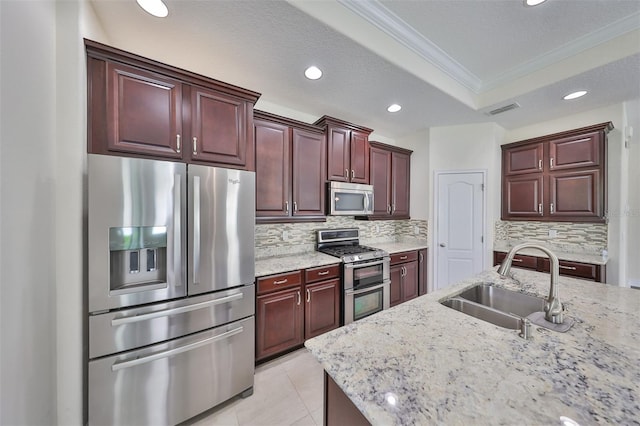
365,272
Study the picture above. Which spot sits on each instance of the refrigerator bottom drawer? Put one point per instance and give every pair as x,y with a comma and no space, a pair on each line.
171,382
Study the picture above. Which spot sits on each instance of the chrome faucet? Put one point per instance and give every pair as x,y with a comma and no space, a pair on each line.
553,309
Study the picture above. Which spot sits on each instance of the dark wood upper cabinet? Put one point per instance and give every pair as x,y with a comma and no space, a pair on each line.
219,129
347,150
290,170
558,177
139,107
390,175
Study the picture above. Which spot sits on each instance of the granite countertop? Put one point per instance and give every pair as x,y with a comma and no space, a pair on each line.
446,367
397,247
594,259
279,264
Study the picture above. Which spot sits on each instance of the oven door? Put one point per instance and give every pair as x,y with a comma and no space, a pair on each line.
359,275
359,304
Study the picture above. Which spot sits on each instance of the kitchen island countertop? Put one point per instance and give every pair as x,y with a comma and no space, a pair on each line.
446,367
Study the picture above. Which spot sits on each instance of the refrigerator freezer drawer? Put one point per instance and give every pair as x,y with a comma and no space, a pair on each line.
171,382
128,329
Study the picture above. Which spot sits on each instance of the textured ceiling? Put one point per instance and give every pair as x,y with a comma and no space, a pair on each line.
446,62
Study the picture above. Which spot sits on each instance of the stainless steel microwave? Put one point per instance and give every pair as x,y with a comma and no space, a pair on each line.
350,199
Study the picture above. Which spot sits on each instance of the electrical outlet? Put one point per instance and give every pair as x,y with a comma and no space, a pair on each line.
285,235
416,230
377,229
553,233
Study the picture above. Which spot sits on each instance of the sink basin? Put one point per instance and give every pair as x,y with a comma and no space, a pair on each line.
504,300
499,306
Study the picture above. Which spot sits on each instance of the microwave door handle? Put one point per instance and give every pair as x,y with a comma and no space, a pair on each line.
366,202
196,230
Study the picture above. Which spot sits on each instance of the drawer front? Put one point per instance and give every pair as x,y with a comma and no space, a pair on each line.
406,256
278,282
575,269
519,260
321,273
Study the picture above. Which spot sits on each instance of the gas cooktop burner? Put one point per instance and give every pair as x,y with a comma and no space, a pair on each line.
344,243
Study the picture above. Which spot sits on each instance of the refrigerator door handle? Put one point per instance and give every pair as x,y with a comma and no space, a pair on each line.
196,230
173,352
166,312
177,230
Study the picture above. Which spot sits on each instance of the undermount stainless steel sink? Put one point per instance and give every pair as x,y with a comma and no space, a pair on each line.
499,306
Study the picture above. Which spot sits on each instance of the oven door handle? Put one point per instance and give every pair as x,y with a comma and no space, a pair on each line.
366,289
361,265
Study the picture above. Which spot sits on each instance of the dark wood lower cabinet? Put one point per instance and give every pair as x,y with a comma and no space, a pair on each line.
295,306
338,408
322,308
422,271
404,277
587,271
279,322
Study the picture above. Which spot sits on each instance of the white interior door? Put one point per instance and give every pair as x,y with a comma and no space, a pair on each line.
459,237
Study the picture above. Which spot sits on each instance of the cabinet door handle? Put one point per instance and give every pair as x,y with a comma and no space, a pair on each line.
308,295
572,268
286,206
403,257
346,174
517,260
280,282
551,208
421,257
295,206
178,144
323,273
389,208
539,164
393,208
353,174
540,209
299,299
195,145
551,162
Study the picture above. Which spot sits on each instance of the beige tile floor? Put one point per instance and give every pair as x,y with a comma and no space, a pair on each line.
287,391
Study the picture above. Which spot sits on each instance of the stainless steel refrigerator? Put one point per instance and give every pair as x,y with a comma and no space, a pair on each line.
171,306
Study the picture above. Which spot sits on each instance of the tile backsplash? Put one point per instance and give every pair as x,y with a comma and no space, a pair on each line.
291,238
569,237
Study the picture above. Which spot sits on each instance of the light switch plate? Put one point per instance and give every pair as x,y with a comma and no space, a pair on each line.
553,233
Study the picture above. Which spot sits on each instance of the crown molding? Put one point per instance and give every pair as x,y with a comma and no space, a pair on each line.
385,20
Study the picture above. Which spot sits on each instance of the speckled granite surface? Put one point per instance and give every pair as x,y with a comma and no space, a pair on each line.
279,264
503,246
449,368
396,247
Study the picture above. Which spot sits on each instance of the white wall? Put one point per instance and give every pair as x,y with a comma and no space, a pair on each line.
27,213
633,210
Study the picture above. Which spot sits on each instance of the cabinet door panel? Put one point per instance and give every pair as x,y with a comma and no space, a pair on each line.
219,123
522,196
523,159
575,194
380,178
575,151
308,173
279,319
422,271
272,169
400,175
410,281
322,310
144,112
359,157
395,291
338,154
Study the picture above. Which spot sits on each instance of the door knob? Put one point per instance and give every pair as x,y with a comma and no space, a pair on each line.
443,245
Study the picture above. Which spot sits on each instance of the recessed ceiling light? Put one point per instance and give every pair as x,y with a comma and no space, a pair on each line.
533,2
154,7
394,108
575,95
313,73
